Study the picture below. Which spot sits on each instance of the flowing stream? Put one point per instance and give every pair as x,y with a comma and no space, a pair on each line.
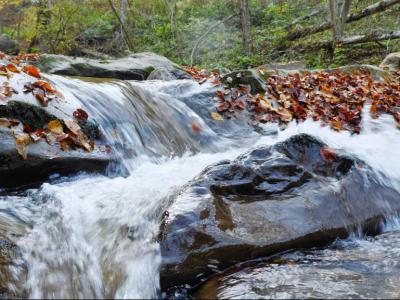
94,236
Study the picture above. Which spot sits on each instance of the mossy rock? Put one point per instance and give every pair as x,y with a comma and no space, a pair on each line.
28,114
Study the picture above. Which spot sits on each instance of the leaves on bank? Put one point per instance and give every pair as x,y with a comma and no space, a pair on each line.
333,98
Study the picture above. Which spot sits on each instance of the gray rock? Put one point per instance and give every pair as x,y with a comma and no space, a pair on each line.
391,62
161,74
7,45
133,67
269,200
245,77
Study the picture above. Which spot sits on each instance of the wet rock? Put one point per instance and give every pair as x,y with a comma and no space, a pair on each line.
245,77
43,161
7,45
44,158
10,258
391,62
161,74
133,67
271,199
362,268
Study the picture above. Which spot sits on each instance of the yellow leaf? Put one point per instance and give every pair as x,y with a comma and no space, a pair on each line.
216,116
21,141
55,126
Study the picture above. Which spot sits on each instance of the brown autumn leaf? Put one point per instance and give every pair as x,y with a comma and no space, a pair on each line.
196,127
80,114
42,99
328,154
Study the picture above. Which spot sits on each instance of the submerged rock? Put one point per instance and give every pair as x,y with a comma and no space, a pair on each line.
295,194
133,67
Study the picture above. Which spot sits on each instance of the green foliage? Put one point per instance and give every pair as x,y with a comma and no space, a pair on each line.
172,28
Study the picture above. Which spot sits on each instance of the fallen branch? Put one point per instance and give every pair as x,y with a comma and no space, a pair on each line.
357,39
372,9
201,38
303,18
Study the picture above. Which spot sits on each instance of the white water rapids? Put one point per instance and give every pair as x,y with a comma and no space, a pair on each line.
93,236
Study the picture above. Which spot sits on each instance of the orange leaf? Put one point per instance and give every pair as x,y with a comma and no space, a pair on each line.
12,68
32,70
46,86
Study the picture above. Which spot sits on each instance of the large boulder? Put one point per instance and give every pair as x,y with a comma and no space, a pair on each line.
7,45
133,67
391,62
295,194
29,151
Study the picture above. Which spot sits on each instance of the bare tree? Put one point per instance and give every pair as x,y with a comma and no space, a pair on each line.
369,10
125,35
245,18
123,17
338,13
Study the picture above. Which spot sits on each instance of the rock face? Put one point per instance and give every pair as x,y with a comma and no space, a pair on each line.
295,194
134,67
392,62
8,45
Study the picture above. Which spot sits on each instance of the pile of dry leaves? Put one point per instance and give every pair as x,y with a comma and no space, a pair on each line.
333,98
68,133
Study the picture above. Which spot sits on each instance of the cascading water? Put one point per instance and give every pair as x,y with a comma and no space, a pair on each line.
95,236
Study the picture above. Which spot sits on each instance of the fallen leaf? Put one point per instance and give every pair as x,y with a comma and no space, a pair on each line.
216,116
32,70
196,127
21,142
45,86
80,114
55,126
12,68
73,126
328,154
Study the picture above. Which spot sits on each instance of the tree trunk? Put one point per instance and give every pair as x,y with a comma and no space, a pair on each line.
123,17
343,17
125,36
245,18
333,13
372,9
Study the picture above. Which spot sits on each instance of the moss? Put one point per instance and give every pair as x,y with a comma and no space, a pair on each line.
34,116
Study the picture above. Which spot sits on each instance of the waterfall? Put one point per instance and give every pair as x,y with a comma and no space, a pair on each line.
95,236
